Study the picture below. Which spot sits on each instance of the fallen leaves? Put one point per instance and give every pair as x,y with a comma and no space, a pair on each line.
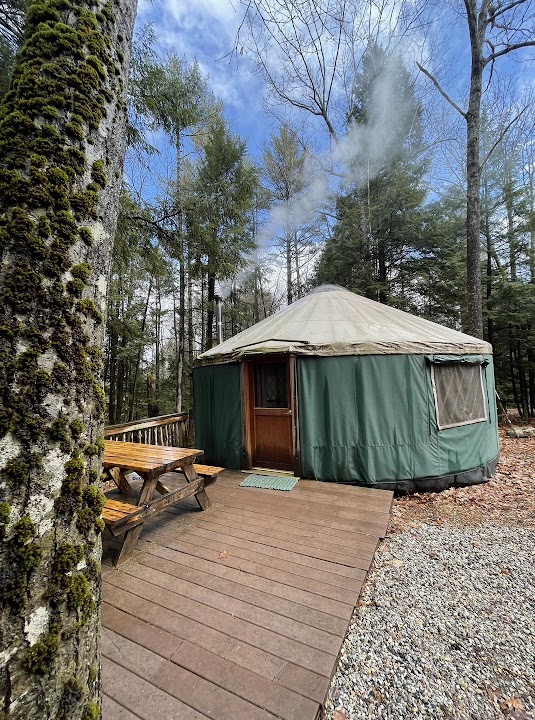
507,499
513,707
222,555
340,715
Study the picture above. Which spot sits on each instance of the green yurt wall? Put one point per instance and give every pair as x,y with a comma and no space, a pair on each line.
217,414
371,419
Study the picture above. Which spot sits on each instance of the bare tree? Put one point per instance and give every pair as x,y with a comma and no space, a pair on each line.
309,51
12,20
496,29
62,146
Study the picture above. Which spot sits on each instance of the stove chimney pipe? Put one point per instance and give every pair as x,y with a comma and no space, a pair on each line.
219,317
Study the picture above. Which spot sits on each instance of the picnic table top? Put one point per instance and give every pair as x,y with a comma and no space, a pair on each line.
140,457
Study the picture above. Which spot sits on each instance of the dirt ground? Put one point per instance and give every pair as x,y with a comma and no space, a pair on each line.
508,499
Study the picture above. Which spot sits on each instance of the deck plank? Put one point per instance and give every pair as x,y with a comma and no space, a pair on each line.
211,699
296,510
238,613
288,649
269,585
299,527
111,710
248,656
146,701
233,590
242,526
263,618
292,556
309,550
262,565
275,698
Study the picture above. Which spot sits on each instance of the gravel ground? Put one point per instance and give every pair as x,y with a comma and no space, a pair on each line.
445,626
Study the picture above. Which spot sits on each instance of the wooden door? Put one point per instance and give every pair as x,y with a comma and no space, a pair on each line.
271,421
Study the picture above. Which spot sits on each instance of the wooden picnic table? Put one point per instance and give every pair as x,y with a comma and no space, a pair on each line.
150,462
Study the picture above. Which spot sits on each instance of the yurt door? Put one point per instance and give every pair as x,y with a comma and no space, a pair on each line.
270,414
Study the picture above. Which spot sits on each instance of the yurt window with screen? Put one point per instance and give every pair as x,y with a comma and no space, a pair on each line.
459,394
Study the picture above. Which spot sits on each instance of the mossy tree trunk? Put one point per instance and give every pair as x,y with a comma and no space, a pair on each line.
62,142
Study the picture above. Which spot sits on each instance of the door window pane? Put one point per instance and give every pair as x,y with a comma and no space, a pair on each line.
270,385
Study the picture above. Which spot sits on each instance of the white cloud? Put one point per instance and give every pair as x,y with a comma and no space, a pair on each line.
205,31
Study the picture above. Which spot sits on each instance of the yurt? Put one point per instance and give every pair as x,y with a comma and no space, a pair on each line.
340,388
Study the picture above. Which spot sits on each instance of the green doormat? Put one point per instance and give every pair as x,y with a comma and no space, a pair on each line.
272,482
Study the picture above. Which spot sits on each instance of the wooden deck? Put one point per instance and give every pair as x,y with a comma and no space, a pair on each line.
239,612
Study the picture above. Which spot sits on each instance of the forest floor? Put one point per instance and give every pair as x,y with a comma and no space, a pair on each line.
445,625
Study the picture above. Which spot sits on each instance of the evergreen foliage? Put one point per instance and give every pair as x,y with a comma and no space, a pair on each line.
378,217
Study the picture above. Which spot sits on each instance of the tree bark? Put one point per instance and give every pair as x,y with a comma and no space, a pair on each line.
289,289
297,268
509,208
210,311
112,368
61,153
138,357
181,332
191,332
473,176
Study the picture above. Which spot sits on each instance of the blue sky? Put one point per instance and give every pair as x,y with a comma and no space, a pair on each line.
205,31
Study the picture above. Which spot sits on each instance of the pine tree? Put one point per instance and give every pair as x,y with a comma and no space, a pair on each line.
378,216
219,215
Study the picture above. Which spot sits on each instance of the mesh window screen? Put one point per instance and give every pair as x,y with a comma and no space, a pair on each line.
459,394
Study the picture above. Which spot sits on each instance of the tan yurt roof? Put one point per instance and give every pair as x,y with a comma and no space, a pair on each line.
331,320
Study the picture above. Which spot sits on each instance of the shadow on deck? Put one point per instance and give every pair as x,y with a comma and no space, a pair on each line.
239,612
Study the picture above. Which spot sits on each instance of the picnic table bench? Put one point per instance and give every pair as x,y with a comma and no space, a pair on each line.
150,462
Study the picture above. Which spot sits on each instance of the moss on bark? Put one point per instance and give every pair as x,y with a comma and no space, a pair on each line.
58,194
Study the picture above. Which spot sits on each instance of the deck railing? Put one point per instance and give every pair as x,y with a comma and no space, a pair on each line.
172,430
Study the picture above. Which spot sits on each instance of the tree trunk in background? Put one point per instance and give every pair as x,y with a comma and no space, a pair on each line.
381,261
157,333
182,280
490,248
511,242
181,333
203,327
256,307
210,311
121,359
112,372
531,352
191,333
473,189
289,291
531,228
297,269
120,384
138,357
61,152
490,321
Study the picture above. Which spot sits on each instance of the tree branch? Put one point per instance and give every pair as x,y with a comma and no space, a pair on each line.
503,134
501,10
441,91
508,49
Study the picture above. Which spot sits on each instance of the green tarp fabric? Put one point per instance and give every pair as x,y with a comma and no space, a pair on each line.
217,413
371,419
466,359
